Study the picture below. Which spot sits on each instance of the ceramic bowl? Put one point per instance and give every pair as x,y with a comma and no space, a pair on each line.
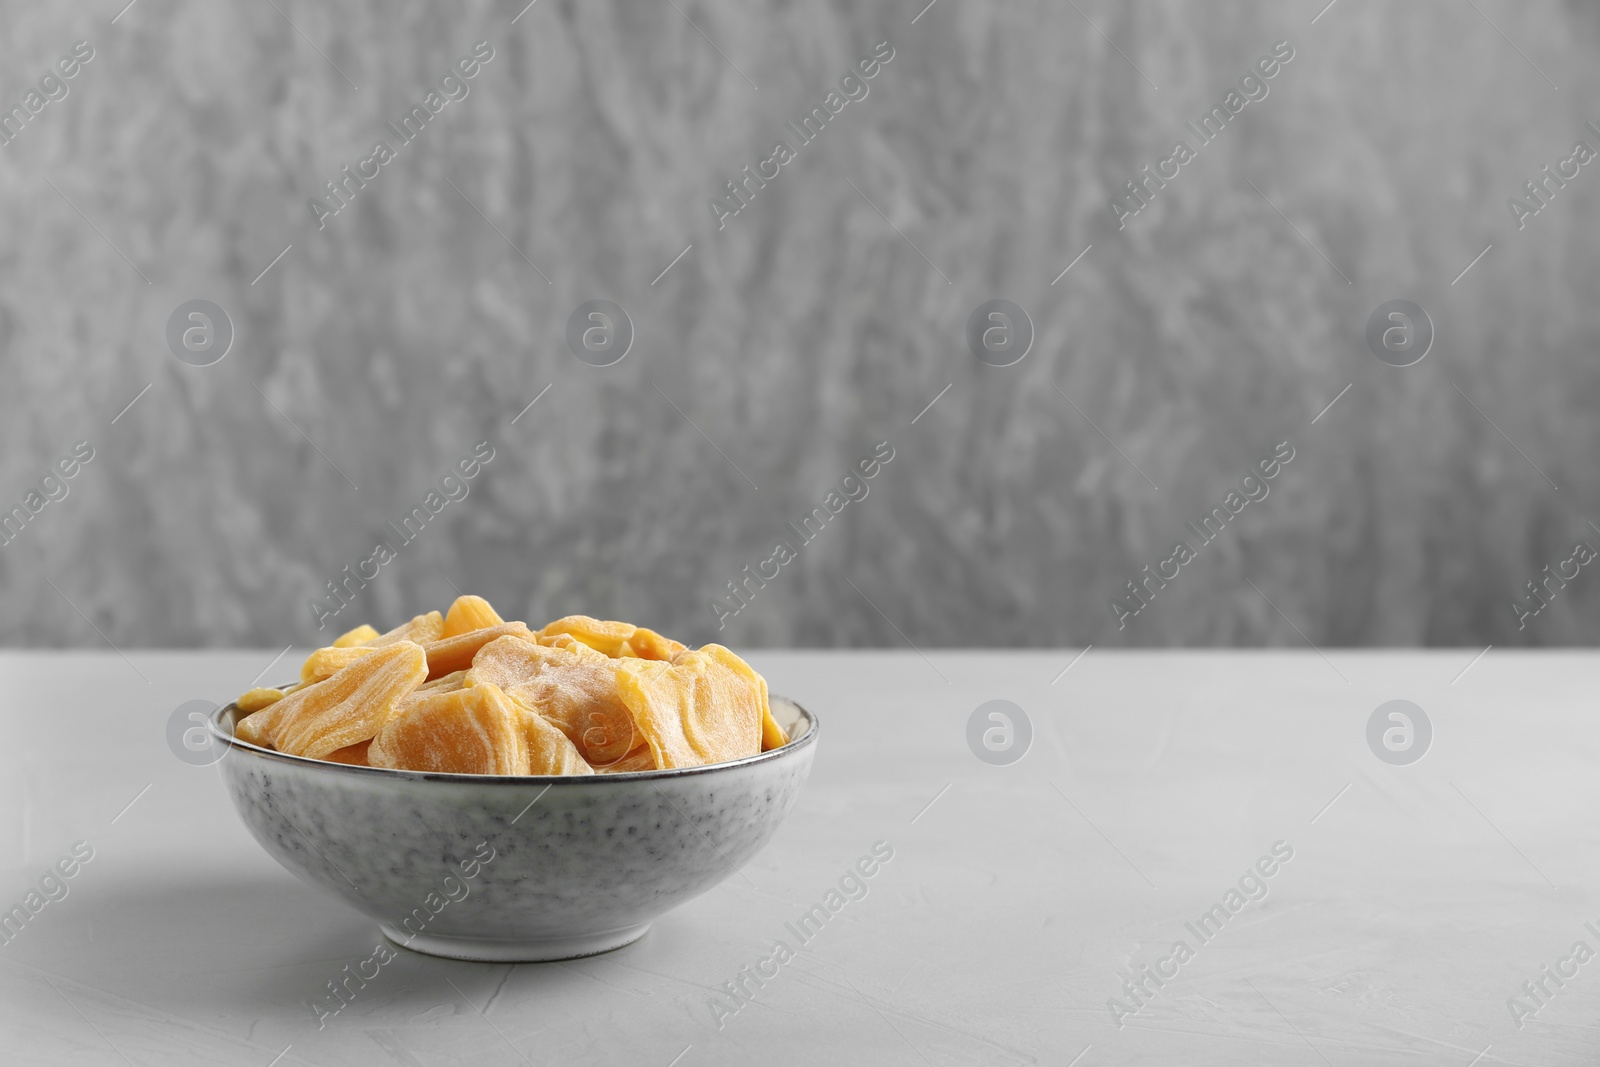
500,868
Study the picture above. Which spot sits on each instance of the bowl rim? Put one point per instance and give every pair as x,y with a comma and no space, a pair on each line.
795,745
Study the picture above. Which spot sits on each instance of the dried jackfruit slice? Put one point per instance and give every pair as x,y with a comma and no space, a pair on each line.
616,639
455,653
469,613
355,755
344,710
575,691
326,662
568,643
640,759
510,660
447,683
647,644
772,735
700,708
359,636
477,730
549,750
259,698
422,629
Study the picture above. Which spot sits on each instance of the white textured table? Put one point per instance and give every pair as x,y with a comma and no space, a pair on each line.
1415,905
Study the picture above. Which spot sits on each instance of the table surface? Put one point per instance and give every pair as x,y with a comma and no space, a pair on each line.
1417,902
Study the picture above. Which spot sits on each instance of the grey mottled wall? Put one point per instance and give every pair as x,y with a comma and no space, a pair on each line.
822,319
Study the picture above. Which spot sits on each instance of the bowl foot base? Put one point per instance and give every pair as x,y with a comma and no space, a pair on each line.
514,951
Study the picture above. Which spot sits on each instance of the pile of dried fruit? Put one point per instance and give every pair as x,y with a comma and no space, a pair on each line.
469,693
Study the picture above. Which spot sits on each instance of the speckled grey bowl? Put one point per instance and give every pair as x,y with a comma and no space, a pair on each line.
489,867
